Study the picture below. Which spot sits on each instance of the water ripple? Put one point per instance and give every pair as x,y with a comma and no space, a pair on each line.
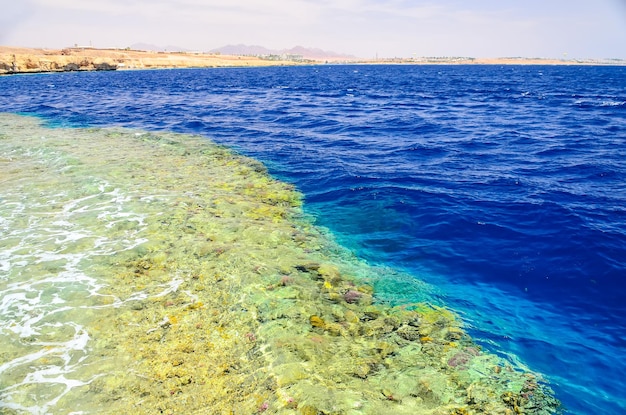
506,177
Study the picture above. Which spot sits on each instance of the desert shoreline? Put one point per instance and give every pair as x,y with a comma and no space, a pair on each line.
19,60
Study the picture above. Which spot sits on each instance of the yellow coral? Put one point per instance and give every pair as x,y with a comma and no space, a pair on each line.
194,306
317,321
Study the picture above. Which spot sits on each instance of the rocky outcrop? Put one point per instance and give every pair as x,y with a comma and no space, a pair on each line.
104,66
31,63
25,60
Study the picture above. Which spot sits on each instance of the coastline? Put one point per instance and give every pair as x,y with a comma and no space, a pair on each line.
19,60
231,299
497,61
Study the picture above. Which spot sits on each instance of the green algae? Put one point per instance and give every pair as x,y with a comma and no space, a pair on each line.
233,302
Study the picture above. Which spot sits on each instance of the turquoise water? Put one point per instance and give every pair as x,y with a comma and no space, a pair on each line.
160,273
501,186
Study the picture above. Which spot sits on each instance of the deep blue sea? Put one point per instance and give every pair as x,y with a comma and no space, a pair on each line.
502,186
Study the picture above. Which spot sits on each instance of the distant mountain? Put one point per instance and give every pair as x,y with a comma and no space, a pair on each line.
307,53
319,54
253,50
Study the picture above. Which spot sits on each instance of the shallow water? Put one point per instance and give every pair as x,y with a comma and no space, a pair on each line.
501,186
157,273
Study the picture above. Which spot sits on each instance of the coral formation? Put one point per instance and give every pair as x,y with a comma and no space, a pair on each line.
235,303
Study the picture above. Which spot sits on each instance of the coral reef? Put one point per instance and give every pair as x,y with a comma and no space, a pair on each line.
234,303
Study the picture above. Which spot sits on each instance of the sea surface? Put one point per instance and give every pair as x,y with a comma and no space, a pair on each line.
502,186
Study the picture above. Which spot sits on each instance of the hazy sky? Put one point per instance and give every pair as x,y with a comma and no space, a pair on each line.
364,28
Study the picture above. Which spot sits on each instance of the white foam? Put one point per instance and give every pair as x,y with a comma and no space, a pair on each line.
48,374
49,238
612,103
167,288
77,343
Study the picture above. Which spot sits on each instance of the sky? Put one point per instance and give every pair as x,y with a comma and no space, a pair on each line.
572,29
